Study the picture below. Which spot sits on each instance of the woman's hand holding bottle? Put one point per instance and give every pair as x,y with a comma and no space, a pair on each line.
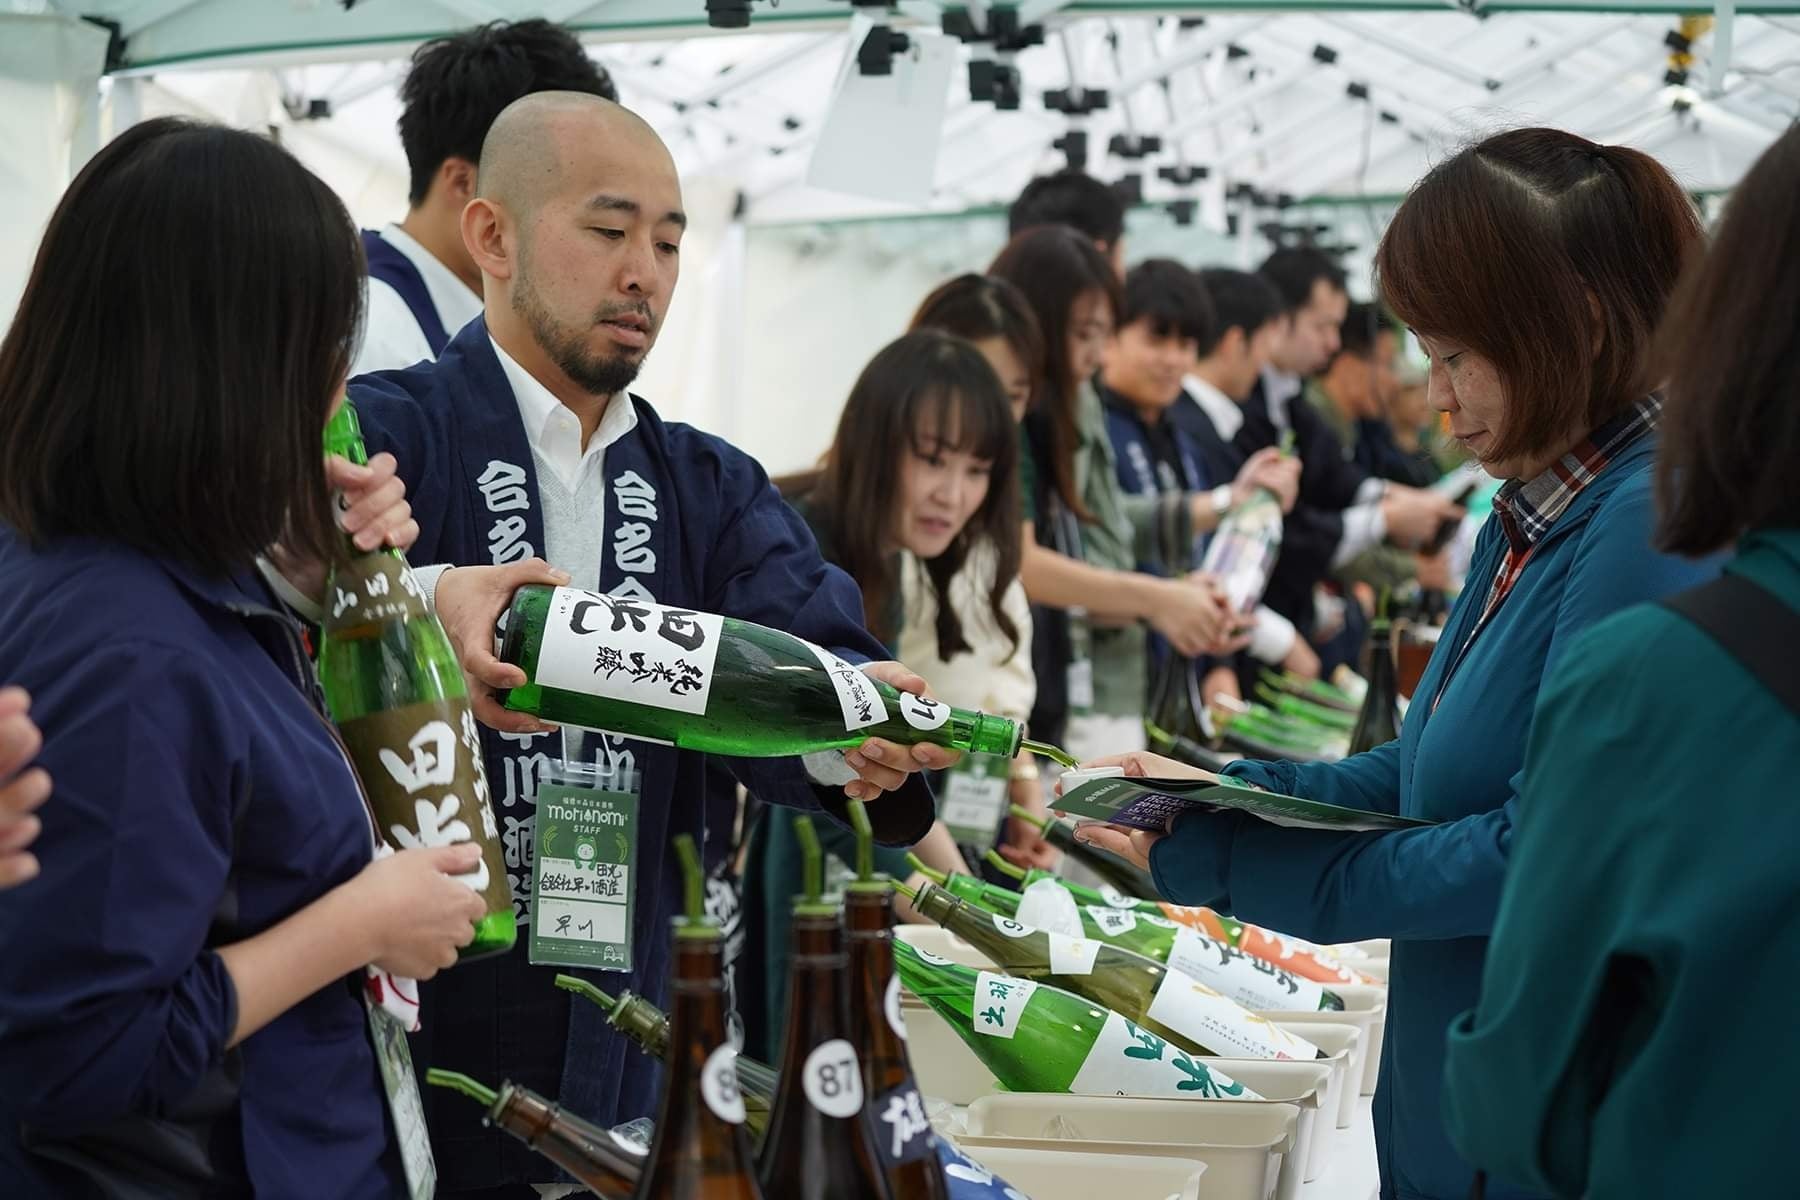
413,911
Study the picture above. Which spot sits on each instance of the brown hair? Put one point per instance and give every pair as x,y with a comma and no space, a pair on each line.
1053,266
978,307
855,496
191,314
1731,429
1516,246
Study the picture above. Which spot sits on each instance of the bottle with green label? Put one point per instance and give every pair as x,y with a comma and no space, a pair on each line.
647,1027
397,695
1038,1038
1188,1010
715,684
1248,980
903,1134
607,1165
821,1143
701,1150
1190,947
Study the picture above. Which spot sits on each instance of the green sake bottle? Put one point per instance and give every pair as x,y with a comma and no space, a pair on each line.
1167,1002
715,684
397,695
1038,1038
1152,929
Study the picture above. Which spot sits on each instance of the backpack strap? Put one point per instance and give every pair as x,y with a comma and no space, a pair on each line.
1752,625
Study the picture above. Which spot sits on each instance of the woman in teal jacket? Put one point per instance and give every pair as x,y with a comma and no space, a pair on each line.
1633,1028
1533,267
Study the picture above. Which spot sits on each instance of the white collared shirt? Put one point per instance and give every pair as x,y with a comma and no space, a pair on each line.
571,480
1226,414
391,335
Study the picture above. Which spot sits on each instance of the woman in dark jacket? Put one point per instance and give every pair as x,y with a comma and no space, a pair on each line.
181,987
1534,267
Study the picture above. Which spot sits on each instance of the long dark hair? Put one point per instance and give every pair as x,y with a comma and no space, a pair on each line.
1516,245
1053,266
191,314
1731,426
923,376
978,307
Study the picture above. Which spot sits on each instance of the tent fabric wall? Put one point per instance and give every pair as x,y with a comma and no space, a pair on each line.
49,74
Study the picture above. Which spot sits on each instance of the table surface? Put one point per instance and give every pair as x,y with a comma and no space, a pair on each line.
1348,1170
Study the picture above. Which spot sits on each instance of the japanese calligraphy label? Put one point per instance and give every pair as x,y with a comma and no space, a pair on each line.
1000,1001
1128,1060
902,1131
1244,978
973,798
582,902
431,788
622,648
1112,921
1202,1015
857,694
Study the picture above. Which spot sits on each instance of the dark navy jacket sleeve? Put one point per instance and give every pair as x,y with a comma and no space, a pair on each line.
766,567
1415,884
394,421
110,1004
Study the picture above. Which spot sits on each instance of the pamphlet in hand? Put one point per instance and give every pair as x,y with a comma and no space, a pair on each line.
1152,803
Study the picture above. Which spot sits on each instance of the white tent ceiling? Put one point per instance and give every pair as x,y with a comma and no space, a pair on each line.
1260,96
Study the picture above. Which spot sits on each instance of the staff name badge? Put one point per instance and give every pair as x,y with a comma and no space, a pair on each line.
582,887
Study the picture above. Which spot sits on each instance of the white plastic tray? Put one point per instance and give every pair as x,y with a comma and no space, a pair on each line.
1365,1007
1061,1174
1247,1148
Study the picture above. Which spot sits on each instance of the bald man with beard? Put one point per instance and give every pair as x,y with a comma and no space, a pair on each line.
521,441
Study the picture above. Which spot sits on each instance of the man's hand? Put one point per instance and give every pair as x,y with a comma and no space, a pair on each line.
23,790
1414,514
883,766
469,601
1268,468
1434,572
1301,660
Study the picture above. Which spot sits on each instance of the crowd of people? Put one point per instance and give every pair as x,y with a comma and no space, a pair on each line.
1016,505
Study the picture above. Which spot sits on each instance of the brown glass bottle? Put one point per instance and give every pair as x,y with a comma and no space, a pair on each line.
586,1151
701,1150
820,1145
903,1137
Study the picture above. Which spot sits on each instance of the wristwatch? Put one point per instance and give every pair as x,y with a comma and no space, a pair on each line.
1221,499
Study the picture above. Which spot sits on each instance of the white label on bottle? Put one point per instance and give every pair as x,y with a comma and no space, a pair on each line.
1112,921
1128,1060
1000,1001
1208,1019
891,1004
936,960
623,648
719,1085
1046,904
1115,897
923,714
1159,921
1012,928
832,1079
858,697
1072,956
1244,978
